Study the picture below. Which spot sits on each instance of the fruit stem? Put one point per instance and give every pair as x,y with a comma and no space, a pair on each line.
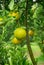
27,37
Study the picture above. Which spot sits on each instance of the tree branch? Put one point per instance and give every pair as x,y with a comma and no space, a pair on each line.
27,37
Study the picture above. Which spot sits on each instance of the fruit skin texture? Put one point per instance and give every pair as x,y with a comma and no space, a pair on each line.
16,41
30,32
20,33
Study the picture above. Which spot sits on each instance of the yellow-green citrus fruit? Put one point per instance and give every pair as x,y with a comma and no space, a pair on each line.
30,32
1,19
20,33
16,41
15,14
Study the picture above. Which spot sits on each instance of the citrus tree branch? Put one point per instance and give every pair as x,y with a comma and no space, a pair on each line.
27,37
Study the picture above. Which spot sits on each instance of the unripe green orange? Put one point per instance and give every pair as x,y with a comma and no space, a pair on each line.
20,33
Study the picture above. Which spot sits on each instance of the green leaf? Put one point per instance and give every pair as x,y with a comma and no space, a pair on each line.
6,64
38,11
41,58
11,5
